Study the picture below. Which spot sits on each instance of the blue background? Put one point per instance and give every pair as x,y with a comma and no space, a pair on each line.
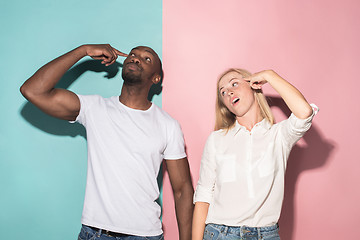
42,159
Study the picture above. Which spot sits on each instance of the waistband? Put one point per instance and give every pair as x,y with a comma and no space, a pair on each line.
100,231
240,230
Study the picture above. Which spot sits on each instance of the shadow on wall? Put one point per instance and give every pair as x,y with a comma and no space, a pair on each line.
302,158
56,126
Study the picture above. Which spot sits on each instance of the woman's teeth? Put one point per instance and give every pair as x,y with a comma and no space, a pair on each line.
235,100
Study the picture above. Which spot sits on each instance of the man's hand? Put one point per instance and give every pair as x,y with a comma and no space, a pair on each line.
104,52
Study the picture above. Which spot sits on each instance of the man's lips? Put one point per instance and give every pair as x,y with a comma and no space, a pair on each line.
133,66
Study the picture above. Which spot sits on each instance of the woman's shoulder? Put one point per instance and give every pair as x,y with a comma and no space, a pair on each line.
219,133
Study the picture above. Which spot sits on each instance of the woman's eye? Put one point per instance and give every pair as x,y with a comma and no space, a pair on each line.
222,93
234,84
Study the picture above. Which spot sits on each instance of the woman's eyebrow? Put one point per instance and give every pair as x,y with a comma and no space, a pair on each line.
229,82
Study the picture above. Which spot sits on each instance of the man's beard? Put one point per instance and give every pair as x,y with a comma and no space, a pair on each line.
130,78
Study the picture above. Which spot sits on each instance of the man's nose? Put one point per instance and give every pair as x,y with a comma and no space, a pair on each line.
135,60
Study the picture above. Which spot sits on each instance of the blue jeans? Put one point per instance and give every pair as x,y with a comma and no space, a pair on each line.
222,232
88,233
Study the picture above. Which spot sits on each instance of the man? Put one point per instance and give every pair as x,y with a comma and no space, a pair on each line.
128,137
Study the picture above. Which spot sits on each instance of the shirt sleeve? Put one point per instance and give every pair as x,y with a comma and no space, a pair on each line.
86,101
175,147
293,128
205,187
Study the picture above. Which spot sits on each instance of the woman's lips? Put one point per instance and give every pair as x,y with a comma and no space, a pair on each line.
235,100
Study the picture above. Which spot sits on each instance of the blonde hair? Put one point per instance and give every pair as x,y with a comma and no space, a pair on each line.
224,119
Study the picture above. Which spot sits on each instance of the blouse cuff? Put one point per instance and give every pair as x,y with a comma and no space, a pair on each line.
202,196
303,124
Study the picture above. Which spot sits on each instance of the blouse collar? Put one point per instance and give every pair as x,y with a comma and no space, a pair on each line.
263,124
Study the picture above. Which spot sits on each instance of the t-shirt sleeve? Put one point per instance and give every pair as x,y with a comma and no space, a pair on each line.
175,147
86,101
293,128
205,187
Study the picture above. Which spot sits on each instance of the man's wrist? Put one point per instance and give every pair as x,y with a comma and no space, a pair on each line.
82,50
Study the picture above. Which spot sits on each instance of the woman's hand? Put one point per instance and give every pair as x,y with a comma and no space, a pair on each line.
257,80
292,96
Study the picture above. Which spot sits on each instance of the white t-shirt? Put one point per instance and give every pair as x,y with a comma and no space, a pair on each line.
125,150
242,173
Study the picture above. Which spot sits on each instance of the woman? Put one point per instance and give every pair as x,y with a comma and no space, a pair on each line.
241,185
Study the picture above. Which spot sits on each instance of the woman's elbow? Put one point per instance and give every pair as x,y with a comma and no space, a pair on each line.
306,112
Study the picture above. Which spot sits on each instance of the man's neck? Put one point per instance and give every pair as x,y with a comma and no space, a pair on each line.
135,97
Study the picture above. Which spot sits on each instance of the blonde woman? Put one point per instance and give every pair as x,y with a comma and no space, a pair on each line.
241,186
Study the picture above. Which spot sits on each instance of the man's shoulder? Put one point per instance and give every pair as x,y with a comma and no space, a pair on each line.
165,116
95,103
95,98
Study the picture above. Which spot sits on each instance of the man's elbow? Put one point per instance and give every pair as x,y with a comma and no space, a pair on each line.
29,92
186,191
25,91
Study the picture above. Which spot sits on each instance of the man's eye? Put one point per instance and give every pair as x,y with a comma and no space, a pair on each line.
148,59
132,54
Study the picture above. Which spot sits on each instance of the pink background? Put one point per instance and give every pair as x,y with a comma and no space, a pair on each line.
313,44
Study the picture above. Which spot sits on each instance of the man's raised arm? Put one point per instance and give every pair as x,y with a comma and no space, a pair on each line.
61,103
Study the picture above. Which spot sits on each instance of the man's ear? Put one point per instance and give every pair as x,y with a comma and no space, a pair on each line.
156,79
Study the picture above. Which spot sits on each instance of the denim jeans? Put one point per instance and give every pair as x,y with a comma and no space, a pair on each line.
222,232
88,233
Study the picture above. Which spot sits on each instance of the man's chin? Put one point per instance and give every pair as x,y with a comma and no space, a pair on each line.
128,83
131,79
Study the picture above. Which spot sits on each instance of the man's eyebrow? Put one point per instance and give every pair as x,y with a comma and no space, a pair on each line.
146,50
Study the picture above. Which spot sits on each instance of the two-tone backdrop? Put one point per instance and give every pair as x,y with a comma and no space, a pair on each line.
313,44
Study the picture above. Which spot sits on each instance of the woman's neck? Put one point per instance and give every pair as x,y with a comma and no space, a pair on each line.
252,117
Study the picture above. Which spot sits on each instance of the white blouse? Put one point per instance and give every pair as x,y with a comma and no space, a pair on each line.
242,173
